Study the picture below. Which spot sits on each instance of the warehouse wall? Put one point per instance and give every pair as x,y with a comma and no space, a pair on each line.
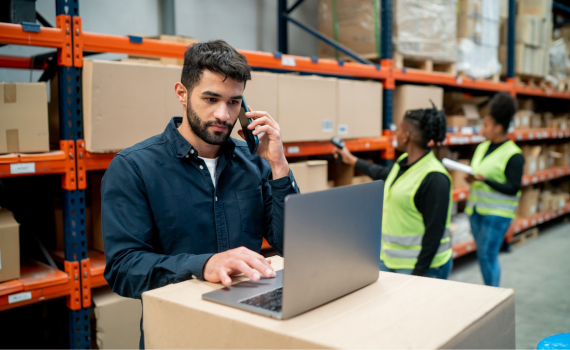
246,24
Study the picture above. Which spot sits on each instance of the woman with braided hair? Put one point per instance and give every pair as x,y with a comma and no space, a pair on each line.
417,199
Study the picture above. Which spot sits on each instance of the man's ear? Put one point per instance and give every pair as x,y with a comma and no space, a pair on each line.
181,93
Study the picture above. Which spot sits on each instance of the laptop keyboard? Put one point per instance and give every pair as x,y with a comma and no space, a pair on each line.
271,300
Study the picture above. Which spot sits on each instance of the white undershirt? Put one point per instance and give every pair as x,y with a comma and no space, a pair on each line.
211,164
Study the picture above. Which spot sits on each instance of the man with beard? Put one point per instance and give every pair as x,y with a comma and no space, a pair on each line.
192,201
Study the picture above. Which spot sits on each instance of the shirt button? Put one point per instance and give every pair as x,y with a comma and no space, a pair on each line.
201,167
191,151
186,156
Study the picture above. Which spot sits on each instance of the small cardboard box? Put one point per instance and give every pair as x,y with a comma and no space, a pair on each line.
311,175
9,247
564,158
118,320
457,121
407,97
396,312
545,201
458,178
261,95
24,126
126,103
536,121
531,155
359,109
528,203
522,119
307,108
361,179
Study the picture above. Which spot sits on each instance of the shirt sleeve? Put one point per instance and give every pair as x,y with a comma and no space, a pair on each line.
132,265
513,174
375,171
274,193
432,201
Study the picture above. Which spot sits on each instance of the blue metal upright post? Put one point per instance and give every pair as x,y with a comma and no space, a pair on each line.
282,32
71,128
386,52
511,39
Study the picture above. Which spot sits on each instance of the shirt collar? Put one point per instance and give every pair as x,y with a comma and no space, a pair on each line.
182,147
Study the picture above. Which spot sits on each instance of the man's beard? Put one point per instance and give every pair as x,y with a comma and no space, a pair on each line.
201,128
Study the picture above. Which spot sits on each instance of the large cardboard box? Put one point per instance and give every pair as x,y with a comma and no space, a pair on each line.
408,97
126,103
311,175
118,320
528,203
396,312
307,107
539,8
359,109
261,95
23,118
9,247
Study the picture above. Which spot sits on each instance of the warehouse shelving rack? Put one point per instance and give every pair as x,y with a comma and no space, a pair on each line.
83,269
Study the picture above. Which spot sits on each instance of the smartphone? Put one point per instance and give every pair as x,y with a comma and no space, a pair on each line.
337,142
250,138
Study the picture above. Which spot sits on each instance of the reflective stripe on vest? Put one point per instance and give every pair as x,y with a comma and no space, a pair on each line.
482,197
403,225
414,253
408,240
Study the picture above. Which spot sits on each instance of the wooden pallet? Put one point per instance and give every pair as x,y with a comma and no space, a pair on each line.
523,237
428,65
494,78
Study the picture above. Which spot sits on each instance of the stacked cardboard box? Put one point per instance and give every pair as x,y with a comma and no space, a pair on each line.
24,110
188,41
9,247
533,37
533,201
463,111
528,203
422,29
531,159
407,97
311,175
478,38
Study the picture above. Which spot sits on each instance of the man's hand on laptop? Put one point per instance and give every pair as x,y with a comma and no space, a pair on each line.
270,144
221,266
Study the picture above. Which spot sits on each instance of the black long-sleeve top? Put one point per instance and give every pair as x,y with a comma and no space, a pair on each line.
513,172
431,200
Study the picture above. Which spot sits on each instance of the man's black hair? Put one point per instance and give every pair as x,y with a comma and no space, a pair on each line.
502,108
216,56
429,124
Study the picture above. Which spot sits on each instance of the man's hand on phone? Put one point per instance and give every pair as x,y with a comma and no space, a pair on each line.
346,156
270,145
221,266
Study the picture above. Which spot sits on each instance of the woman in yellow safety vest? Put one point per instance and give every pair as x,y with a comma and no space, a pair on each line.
495,189
417,199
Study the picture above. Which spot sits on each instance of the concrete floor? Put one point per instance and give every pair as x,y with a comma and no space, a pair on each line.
539,272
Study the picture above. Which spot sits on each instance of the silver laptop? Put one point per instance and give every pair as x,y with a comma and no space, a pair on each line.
331,248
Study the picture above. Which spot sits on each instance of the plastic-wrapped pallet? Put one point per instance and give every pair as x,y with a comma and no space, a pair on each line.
425,29
558,62
478,38
353,23
460,229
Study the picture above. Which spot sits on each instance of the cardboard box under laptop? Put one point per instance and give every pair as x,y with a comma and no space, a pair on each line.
9,246
460,315
408,97
117,319
311,175
24,112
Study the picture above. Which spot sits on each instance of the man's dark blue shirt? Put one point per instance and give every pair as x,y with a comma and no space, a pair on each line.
163,218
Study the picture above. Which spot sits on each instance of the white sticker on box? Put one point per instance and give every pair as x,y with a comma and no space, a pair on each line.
541,165
327,125
14,298
22,168
533,209
293,149
342,129
288,61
